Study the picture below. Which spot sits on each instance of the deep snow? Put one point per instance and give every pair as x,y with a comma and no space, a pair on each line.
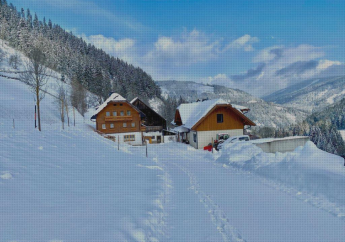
74,185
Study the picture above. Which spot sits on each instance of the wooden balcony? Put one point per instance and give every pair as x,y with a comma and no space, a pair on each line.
118,118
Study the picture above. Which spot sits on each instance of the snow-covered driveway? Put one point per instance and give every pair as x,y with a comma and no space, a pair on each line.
239,205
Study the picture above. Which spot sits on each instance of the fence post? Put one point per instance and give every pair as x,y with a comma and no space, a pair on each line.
146,148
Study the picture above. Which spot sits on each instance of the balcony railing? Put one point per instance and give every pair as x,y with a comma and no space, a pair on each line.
153,128
118,118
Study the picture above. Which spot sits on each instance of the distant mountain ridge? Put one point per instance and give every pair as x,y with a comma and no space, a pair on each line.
311,95
262,113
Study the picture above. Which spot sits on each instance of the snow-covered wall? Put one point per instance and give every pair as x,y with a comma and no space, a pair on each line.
288,144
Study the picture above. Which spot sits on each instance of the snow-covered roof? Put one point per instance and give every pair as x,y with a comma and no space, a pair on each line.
137,98
134,99
192,113
180,129
239,108
114,97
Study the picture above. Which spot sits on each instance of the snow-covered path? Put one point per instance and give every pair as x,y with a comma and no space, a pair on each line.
240,206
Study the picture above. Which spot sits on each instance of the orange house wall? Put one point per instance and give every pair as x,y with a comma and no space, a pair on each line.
118,125
230,121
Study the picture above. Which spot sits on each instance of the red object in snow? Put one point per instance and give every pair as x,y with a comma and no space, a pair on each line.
208,147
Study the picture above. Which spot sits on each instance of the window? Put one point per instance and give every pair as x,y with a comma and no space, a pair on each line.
103,126
153,137
114,113
194,138
111,126
122,113
220,118
128,113
107,114
129,138
114,104
120,104
244,139
125,125
133,125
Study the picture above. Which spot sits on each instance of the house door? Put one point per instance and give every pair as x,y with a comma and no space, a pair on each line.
159,139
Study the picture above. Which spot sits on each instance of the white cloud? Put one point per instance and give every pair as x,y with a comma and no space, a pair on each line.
277,67
219,79
325,64
187,49
245,42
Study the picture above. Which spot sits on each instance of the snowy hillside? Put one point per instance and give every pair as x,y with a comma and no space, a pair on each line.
73,185
262,113
309,95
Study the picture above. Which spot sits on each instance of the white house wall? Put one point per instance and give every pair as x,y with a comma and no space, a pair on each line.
155,135
138,138
191,140
205,137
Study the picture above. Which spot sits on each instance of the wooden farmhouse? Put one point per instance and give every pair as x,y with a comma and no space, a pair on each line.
118,116
131,122
200,122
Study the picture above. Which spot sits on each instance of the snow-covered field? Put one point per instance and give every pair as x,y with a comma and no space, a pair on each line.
74,185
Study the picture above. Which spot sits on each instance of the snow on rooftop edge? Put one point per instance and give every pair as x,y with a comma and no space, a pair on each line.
112,97
191,113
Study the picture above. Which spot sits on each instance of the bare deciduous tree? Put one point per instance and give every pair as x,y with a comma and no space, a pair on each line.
78,96
14,61
61,103
36,76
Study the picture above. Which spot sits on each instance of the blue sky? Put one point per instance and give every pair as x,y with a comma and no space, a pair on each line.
257,46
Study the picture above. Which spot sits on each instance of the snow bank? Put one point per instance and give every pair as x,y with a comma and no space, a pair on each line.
307,169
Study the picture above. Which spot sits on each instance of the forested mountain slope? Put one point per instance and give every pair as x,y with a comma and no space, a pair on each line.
71,56
314,94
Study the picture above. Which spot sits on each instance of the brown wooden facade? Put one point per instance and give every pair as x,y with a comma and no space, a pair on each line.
118,117
230,120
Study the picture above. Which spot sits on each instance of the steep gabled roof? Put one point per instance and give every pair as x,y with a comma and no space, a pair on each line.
114,97
193,113
138,99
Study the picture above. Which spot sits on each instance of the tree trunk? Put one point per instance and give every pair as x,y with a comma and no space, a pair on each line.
38,108
62,115
67,114
73,116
